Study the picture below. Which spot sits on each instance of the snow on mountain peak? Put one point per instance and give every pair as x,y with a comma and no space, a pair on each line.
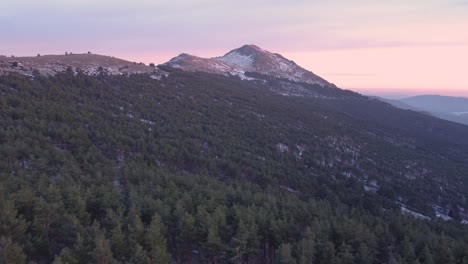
248,58
238,60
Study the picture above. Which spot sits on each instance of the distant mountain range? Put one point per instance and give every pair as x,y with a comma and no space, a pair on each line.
445,107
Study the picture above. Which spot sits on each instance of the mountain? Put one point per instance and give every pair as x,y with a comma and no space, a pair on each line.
199,167
397,103
248,58
90,64
438,103
445,107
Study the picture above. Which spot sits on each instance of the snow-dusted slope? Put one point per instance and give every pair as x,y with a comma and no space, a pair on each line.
189,62
90,64
248,58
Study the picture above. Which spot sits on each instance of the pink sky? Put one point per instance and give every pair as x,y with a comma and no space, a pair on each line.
389,71
394,47
393,70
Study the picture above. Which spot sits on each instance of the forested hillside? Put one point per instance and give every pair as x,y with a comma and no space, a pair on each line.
203,168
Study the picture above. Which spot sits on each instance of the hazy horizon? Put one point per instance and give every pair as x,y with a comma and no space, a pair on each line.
406,93
397,49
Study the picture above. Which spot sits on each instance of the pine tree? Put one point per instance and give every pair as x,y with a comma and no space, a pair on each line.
11,252
444,252
156,241
137,231
186,233
58,260
202,221
118,242
213,241
11,225
364,255
344,254
307,247
80,250
140,256
395,260
465,260
328,253
239,241
426,256
407,250
284,255
65,257
102,253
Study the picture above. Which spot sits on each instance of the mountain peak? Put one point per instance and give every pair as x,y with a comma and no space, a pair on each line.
248,58
250,46
248,50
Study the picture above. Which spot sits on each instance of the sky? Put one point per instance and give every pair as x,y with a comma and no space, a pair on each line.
393,48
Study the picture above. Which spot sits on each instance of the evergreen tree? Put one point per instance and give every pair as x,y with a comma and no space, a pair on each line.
185,231
118,242
426,256
444,252
11,252
465,260
140,256
284,255
327,253
407,250
307,247
102,253
239,241
137,231
58,260
156,242
66,257
364,255
80,250
213,241
344,255
11,225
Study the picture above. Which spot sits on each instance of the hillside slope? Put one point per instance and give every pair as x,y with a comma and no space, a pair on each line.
204,168
450,108
446,107
91,64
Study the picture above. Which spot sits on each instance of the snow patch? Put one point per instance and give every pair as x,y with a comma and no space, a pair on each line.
282,147
289,189
300,150
238,60
149,122
442,213
371,186
408,211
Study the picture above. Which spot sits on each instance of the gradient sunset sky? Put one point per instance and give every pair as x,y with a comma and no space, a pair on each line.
393,48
